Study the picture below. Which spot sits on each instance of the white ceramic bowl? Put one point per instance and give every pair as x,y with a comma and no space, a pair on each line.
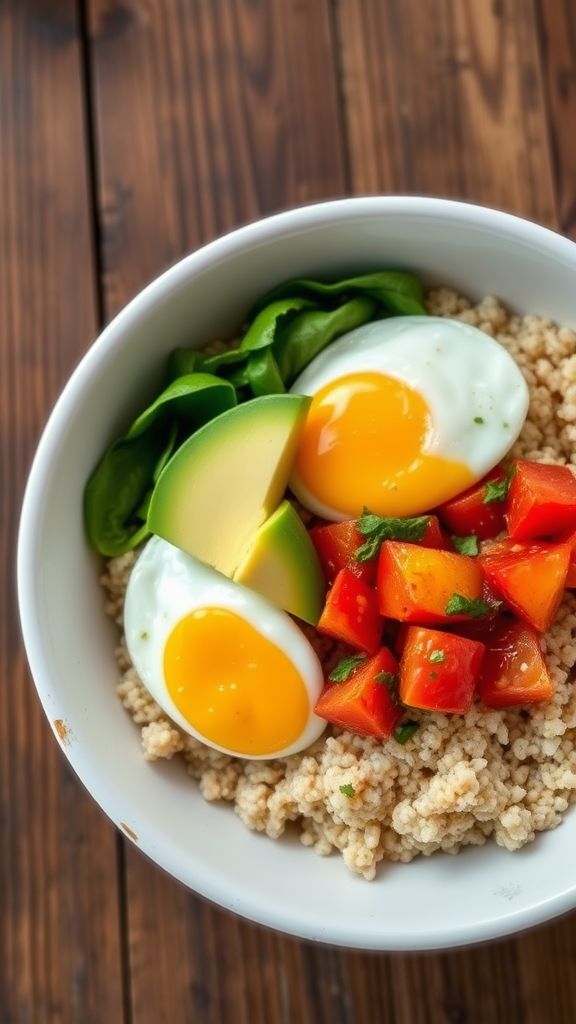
431,903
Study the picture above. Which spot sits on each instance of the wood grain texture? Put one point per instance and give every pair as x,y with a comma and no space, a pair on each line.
209,113
446,98
59,937
558,39
205,114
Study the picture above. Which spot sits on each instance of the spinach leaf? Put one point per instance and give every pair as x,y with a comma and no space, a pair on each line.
193,399
398,291
181,362
263,375
213,364
262,330
115,494
310,332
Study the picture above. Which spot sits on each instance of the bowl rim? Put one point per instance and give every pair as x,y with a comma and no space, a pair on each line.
257,232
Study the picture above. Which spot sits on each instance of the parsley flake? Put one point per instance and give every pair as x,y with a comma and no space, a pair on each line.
344,669
377,529
478,419
388,679
497,490
477,608
347,790
466,545
405,732
437,657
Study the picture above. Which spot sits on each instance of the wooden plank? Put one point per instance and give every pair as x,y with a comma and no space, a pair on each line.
445,97
60,958
208,114
558,40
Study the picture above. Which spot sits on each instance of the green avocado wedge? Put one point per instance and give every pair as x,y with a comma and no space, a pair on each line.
226,480
283,566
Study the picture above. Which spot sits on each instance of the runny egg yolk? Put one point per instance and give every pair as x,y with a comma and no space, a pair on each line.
233,685
363,445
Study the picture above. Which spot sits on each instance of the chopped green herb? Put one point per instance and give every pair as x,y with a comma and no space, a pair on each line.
466,545
144,634
348,790
344,669
477,608
505,425
433,675
478,419
388,679
497,490
405,732
377,529
437,657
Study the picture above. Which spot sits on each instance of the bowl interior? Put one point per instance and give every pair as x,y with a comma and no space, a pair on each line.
432,902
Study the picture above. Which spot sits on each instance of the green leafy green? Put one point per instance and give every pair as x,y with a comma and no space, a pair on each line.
345,667
477,608
347,790
467,545
405,731
397,291
118,492
497,490
387,679
181,362
193,400
263,375
262,331
380,528
310,332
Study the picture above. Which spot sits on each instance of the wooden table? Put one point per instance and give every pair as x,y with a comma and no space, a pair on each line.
131,131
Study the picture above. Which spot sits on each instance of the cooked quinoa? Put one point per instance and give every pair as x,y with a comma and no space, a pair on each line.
461,778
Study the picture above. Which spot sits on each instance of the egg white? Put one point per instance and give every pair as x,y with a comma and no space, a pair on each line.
165,585
461,373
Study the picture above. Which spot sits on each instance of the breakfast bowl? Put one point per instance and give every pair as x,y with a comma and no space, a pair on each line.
434,902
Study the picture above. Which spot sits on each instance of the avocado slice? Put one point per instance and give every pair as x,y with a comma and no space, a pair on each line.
283,566
225,481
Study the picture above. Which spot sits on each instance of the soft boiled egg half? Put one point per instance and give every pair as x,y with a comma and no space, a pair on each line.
225,665
405,414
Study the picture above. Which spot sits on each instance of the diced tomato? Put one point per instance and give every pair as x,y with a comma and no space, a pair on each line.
434,536
514,670
364,704
336,545
415,584
529,577
541,501
569,537
469,513
439,671
351,613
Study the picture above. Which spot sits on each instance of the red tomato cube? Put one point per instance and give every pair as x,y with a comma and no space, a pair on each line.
351,613
439,671
366,703
469,512
336,545
415,584
541,501
514,671
530,577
